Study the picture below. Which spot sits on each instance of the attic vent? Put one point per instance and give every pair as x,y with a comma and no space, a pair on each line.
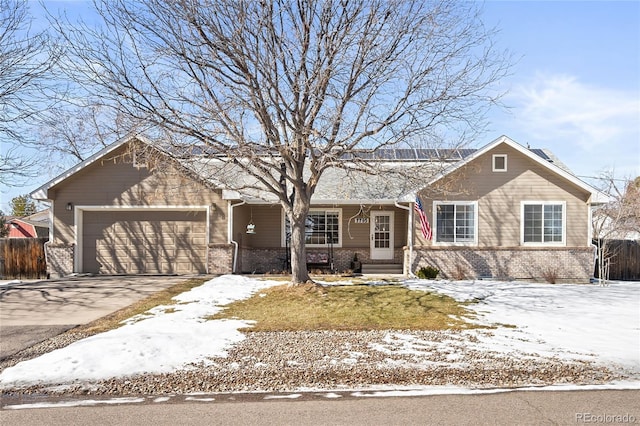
499,163
140,158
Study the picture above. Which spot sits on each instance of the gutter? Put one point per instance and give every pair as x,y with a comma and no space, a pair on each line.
230,233
409,234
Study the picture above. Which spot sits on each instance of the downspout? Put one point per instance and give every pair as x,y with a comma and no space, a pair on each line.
46,245
409,234
230,234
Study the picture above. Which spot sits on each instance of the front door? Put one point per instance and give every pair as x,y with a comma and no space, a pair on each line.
381,235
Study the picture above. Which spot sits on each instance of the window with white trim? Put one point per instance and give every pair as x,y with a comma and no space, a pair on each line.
456,222
543,222
322,227
499,163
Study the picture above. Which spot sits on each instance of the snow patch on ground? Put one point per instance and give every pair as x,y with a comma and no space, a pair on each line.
599,324
569,321
158,341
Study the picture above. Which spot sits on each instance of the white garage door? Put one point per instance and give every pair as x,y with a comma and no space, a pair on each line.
144,242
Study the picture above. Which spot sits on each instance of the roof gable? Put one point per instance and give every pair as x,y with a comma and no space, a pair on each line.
41,193
539,156
331,180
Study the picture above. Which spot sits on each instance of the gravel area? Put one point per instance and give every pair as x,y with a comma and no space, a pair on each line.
334,360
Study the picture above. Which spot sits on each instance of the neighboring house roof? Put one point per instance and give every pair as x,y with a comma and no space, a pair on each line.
40,218
609,230
24,228
346,184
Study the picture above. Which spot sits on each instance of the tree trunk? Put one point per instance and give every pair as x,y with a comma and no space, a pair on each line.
297,219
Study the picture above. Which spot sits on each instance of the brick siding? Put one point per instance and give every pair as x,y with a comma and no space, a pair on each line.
274,259
220,258
530,264
59,260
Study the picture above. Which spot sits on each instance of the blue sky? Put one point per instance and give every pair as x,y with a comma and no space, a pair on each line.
575,88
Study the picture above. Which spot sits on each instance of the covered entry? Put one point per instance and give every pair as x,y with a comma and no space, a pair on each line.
142,241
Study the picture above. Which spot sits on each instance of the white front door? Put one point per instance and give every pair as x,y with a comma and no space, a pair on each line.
381,235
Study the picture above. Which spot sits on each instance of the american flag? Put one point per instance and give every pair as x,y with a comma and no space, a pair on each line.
424,222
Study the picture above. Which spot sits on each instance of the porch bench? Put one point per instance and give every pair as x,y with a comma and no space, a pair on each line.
318,260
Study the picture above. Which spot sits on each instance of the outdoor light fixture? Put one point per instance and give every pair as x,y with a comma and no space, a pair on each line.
251,228
69,207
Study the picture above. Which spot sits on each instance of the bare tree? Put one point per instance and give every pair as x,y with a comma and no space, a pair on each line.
618,219
14,168
289,88
72,132
25,63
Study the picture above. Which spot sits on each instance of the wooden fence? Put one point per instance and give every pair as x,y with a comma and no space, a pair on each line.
625,262
22,258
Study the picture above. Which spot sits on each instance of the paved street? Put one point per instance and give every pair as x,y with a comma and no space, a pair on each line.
33,311
522,408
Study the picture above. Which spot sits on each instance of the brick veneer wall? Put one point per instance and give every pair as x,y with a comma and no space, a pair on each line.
220,258
59,260
273,259
344,256
261,261
527,263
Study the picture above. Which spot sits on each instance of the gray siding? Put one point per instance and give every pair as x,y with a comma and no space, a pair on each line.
268,221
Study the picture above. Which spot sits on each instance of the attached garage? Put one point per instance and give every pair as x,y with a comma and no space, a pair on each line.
142,240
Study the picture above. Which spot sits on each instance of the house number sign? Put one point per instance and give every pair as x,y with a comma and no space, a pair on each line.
362,220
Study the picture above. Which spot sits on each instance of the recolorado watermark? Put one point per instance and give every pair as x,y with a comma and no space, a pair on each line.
605,418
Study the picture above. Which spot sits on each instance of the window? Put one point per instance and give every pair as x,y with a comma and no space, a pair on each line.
543,222
322,227
500,163
456,222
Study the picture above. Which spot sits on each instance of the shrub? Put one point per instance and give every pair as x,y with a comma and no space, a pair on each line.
550,276
460,273
427,273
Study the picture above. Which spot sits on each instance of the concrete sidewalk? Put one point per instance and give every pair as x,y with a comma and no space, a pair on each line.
32,311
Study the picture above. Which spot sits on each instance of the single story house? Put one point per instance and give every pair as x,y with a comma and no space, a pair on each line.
501,211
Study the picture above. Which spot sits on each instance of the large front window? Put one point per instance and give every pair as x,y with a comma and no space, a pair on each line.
322,227
543,223
455,222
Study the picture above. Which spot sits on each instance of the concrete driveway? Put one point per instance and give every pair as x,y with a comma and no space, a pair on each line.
32,311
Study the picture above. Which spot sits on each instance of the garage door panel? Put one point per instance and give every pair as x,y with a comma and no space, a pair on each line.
126,242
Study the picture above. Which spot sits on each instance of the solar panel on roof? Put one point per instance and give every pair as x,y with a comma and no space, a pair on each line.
386,154
449,154
426,154
405,154
464,153
540,153
409,154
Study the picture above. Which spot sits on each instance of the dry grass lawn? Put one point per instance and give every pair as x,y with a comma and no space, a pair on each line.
311,307
348,307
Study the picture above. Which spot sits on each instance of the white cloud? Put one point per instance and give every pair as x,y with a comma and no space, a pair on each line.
561,109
